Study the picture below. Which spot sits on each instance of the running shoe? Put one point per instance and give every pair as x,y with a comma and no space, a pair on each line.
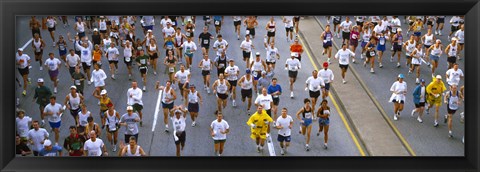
445,119
114,148
41,68
450,135
291,94
435,124
395,117
371,70
380,65
193,124
419,120
325,146
24,93
282,152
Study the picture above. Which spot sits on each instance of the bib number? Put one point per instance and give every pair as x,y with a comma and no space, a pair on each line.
143,61
372,53
127,59
205,41
171,69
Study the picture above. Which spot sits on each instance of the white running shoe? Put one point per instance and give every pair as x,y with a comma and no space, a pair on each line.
89,83
417,81
371,70
328,60
380,65
144,88
55,90
325,146
41,68
234,104
413,112
282,152
343,81
291,94
395,117
114,148
450,134
193,124
208,90
391,58
436,32
419,120
398,64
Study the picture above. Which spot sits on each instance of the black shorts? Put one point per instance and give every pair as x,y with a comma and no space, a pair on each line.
421,104
336,22
276,101
343,66
143,70
193,107
314,94
292,74
233,83
452,59
455,28
408,57
219,141
395,101
397,47
85,66
327,86
71,70
74,112
236,23
296,19
137,107
246,54
128,63
181,138
167,106
103,31
206,46
252,31
360,24
205,72
346,35
246,93
450,111
222,96
24,71
180,86
269,112
270,34
440,20
127,137
51,29
289,29
461,44
430,23
113,61
154,56
284,138
219,71
270,63
38,54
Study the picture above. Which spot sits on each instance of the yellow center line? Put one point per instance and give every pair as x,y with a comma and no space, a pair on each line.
355,140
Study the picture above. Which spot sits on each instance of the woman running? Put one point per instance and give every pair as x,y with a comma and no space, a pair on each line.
127,57
428,40
170,63
399,90
113,119
152,52
435,53
326,37
416,57
194,101
382,39
409,46
370,53
179,38
323,115
306,121
453,99
220,88
206,66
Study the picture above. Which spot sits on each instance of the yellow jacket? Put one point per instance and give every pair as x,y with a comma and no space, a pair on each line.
259,120
436,88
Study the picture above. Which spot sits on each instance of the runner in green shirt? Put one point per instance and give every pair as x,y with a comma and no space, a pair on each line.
42,97
78,79
142,63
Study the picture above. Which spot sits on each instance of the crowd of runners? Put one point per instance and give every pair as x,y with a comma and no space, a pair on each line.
114,38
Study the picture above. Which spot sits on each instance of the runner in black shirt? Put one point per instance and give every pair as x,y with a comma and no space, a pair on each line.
204,39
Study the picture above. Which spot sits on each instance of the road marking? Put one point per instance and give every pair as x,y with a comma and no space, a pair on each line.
26,44
160,92
355,140
400,136
271,148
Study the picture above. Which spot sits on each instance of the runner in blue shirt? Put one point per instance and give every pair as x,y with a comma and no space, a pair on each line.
275,90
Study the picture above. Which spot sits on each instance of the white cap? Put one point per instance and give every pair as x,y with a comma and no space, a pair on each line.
20,49
47,143
399,29
103,92
40,80
73,87
454,39
95,30
439,77
149,30
258,53
439,41
190,19
129,108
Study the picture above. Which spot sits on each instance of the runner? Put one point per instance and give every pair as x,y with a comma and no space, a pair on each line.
375,20
104,102
80,27
36,137
148,22
250,24
34,25
21,147
419,98
152,51
86,56
38,45
189,28
305,121
168,98
218,21
183,78
193,98
112,54
382,39
288,20
323,115
83,120
453,99
326,37
460,36
434,91
170,63
23,65
78,79
102,24
354,37
218,130
72,61
53,65
398,45
439,27
237,22
416,57
259,123
179,126
72,103
22,122
231,73
297,48
207,20
134,99
346,27
206,66
360,20
73,144
428,40
190,48
220,89
92,127
314,84
399,90
454,75
257,66
94,146
49,150
54,111
246,46
132,149
142,66
220,45
292,65
435,52
452,50
417,29
270,27
455,22
114,31
284,124
275,90
221,63
344,55
394,24
98,79
370,53
127,57
246,84
178,38
296,21
130,120
271,53
62,48
336,21
327,76
204,39
266,101
42,94
113,118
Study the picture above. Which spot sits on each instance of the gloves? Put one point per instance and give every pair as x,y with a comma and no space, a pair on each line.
252,125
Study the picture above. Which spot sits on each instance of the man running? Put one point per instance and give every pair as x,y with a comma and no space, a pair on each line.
220,45
250,23
344,55
206,66
23,65
219,130
292,65
327,76
270,27
72,103
38,45
326,37
183,78
54,111
284,124
53,65
94,146
112,121
132,149
130,120
73,144
232,72
204,39
142,66
346,27
42,94
454,75
259,123
306,121
288,20
419,98
220,88
434,91
314,84
168,98
49,150
247,46
36,137
179,125
272,54
134,99
246,84
275,90
453,99
297,48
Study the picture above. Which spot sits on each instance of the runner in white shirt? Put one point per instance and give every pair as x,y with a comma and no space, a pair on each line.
183,77
134,99
246,84
428,40
416,56
193,102
85,55
247,46
168,30
219,130
179,125
164,21
284,124
220,45
112,54
94,146
399,92
23,65
220,88
272,54
98,77
83,119
435,52
455,22
336,22
452,51
266,101
73,60
292,65
454,75
394,25
378,29
231,73
54,112
237,23
112,121
132,149
327,76
453,99
206,66
288,20
460,36
360,20
22,122
168,98
346,26
36,136
314,84
51,23
72,103
53,66
344,55
189,47
128,50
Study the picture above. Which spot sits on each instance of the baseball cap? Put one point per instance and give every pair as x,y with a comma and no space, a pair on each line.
95,30
454,39
293,54
129,108
401,76
149,30
110,104
47,143
422,80
40,80
264,72
192,85
325,64
103,92
439,77
73,87
231,60
399,29
258,53
20,49
248,71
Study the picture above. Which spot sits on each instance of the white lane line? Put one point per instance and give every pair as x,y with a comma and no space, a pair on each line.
26,44
271,148
160,92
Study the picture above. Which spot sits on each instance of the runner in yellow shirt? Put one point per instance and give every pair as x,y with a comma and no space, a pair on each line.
434,95
259,123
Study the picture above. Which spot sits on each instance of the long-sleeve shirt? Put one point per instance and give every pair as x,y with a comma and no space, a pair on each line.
136,96
98,78
42,94
85,53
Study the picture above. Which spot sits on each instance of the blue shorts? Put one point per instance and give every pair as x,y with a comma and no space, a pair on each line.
167,106
434,58
327,44
62,53
189,55
307,122
148,27
417,33
323,122
363,44
55,124
381,48
284,138
327,86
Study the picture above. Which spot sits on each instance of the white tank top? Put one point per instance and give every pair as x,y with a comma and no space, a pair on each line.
222,87
82,118
112,120
419,54
179,39
453,50
206,64
428,39
80,27
74,101
366,36
271,27
453,101
103,25
436,50
167,94
152,48
129,151
247,83
257,65
37,44
127,52
51,23
410,47
192,97
106,44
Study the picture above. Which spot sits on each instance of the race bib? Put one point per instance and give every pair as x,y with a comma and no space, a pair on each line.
93,152
131,127
205,41
171,69
62,47
293,68
329,38
178,127
308,115
52,66
315,87
222,89
382,41
83,123
38,50
221,65
372,53
344,60
143,61
127,59
400,42
255,74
